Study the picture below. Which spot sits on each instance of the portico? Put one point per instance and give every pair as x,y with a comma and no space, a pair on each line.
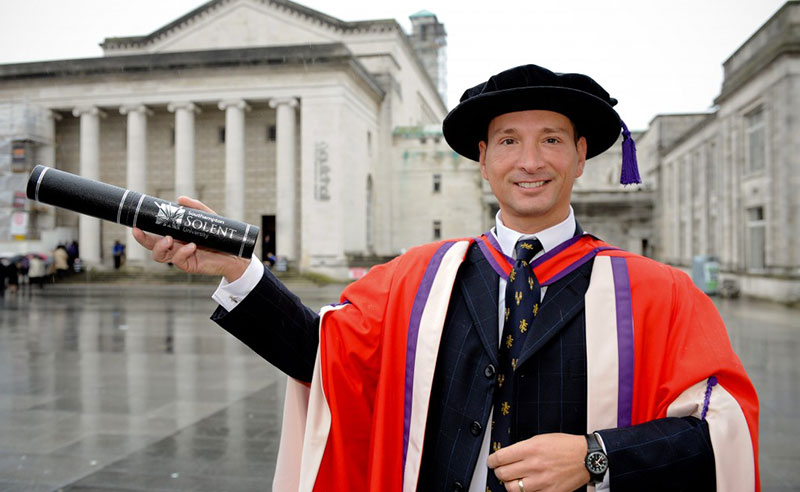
243,156
192,123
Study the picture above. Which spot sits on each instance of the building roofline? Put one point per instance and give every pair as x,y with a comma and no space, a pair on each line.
693,130
422,13
776,37
333,22
309,54
761,29
681,113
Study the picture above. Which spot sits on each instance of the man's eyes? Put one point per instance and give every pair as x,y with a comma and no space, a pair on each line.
512,141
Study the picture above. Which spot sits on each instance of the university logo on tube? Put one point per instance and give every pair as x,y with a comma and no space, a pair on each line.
169,215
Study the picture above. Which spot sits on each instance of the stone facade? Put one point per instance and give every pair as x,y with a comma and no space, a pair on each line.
727,180
437,193
619,215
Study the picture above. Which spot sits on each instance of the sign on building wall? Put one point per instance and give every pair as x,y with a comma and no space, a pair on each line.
20,156
19,225
19,199
322,172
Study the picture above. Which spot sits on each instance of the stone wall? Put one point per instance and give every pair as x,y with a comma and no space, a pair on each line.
418,204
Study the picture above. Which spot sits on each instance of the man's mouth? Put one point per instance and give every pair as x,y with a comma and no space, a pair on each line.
528,184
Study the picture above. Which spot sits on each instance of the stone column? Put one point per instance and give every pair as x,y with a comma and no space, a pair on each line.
136,176
234,157
286,224
47,156
89,237
47,152
184,148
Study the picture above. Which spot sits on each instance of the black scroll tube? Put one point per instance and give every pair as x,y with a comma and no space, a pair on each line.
133,209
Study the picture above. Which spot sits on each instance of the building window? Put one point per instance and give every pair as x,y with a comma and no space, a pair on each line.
172,136
756,141
756,238
683,254
370,203
221,134
272,133
712,234
683,184
437,183
697,167
437,230
711,164
711,168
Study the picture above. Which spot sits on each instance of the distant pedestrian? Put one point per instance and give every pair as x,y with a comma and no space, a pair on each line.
37,270
118,252
24,265
61,260
12,273
3,273
270,260
72,253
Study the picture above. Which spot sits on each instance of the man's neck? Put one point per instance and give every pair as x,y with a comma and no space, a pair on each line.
550,237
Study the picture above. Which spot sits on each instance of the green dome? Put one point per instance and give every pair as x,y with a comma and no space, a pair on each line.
423,13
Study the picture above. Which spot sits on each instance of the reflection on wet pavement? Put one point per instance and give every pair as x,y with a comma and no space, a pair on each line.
133,387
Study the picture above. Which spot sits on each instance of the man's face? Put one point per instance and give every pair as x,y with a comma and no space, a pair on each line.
531,160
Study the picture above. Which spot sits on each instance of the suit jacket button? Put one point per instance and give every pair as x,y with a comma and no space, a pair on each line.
489,371
458,486
475,428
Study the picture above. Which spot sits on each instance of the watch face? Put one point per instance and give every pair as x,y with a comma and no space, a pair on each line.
597,462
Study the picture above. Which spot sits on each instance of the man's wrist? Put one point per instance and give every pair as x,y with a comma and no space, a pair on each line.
234,269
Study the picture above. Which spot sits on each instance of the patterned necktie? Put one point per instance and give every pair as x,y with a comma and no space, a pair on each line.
523,295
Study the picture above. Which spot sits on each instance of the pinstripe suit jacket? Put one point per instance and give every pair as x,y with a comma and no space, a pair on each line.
668,454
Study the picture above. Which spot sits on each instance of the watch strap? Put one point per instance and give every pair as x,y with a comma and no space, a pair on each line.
593,446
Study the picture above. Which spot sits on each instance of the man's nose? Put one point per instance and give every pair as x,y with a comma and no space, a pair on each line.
531,158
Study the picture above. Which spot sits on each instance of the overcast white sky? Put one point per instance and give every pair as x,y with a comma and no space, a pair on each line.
654,56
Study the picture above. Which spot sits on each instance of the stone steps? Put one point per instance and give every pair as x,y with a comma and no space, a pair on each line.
165,275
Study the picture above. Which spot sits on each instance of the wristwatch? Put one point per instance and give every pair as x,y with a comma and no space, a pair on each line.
596,460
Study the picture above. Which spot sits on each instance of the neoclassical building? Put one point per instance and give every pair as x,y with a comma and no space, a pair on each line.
327,135
266,110
727,180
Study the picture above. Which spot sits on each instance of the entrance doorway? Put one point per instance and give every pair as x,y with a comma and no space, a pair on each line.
267,236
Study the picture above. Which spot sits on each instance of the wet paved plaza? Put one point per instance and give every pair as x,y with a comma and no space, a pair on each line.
133,388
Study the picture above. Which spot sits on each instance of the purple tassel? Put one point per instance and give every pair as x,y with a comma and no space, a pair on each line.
630,168
712,381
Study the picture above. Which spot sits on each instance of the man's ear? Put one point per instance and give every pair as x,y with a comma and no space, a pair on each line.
482,150
581,148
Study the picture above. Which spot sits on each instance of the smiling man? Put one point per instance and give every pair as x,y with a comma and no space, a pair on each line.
533,357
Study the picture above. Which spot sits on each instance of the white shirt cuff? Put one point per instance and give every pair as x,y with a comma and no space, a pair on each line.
230,294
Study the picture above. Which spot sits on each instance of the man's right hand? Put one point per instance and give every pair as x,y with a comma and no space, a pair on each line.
187,256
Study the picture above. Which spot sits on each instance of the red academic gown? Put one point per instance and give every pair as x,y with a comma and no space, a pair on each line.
362,419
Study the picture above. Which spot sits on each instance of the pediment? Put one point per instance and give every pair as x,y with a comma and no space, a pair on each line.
223,24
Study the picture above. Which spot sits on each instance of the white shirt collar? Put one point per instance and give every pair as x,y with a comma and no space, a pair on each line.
550,237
